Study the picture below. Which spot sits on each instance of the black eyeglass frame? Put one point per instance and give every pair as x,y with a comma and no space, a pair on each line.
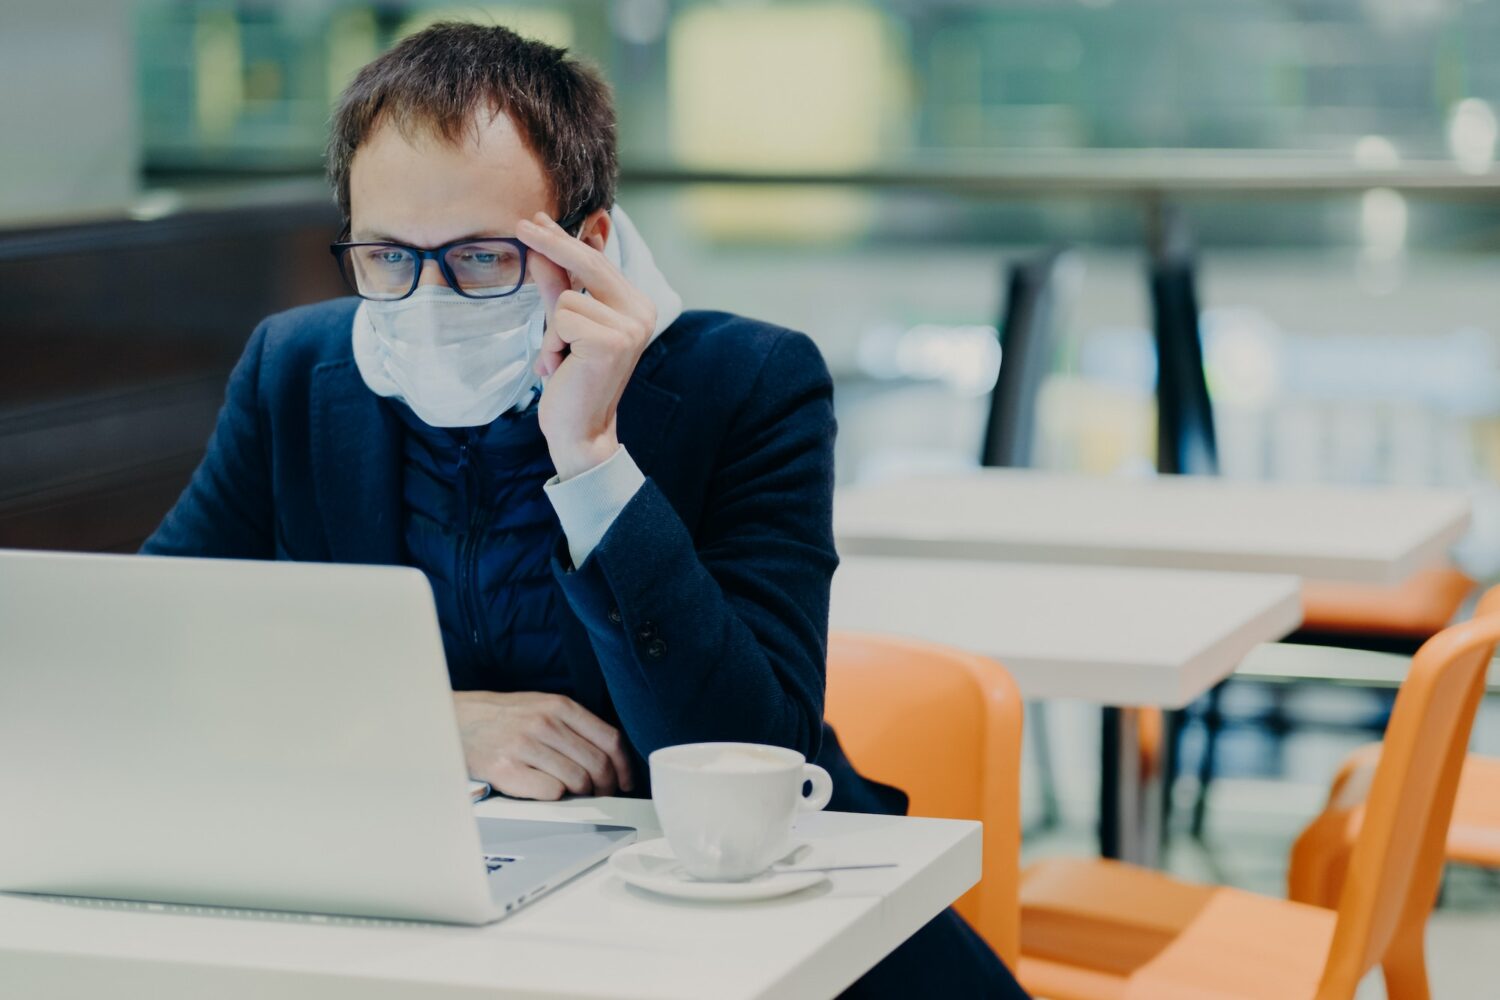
571,224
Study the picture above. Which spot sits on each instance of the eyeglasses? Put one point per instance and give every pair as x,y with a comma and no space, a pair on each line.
485,267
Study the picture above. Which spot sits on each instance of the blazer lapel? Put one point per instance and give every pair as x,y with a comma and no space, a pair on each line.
356,467
646,410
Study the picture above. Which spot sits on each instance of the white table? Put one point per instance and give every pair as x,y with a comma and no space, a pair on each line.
1118,636
1182,522
1112,635
1290,662
593,938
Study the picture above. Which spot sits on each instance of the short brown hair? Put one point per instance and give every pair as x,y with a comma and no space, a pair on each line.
441,77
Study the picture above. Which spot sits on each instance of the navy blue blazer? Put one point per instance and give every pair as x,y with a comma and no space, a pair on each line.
703,612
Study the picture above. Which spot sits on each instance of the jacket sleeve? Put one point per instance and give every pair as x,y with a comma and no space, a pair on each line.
226,510
723,636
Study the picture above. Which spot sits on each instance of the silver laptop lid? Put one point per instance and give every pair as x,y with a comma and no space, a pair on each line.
256,734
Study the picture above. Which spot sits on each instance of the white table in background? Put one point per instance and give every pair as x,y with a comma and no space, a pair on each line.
595,937
1180,522
1372,535
1129,638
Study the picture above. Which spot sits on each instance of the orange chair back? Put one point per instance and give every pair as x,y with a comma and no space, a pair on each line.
944,726
1397,859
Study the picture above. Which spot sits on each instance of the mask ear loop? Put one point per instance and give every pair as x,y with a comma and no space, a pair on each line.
573,226
536,346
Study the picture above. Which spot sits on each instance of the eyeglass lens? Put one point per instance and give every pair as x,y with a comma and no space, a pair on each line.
481,268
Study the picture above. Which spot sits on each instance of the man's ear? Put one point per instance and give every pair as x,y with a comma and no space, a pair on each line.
596,228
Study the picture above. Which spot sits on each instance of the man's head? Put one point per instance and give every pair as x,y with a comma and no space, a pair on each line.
462,130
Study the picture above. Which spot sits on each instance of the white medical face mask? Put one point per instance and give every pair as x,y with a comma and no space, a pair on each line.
456,361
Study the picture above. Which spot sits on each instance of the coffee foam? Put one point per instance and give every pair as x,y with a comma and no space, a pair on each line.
742,762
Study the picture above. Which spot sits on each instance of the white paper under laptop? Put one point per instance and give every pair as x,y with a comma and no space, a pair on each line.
253,734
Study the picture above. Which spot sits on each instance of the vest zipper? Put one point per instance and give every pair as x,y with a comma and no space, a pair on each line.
471,508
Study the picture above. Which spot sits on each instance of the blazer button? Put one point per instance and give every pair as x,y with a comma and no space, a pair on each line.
646,632
614,616
656,649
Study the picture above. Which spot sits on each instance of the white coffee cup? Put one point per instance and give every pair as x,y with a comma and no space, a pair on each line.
727,808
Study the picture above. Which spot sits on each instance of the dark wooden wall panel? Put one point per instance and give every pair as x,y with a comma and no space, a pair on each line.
118,337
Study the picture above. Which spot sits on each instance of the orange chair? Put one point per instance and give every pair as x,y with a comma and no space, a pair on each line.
944,726
1320,857
1099,929
1474,837
1417,608
1382,618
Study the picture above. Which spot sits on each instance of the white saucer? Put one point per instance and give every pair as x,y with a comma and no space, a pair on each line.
651,865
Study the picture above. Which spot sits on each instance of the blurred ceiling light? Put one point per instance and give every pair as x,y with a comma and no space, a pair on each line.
153,205
1382,226
1472,131
640,22
1376,152
218,74
352,42
1242,348
809,86
1382,222
816,86
966,358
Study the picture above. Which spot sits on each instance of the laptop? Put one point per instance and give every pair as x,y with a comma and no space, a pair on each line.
251,735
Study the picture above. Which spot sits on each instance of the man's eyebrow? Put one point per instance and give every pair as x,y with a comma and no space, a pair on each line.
379,237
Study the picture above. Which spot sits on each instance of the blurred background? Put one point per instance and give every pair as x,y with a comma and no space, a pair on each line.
911,182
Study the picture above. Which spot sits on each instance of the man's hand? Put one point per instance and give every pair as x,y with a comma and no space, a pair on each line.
591,346
538,746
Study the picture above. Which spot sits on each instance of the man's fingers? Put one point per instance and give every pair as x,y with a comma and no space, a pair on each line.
564,739
589,267
621,760
585,337
560,766
602,735
551,281
553,350
587,305
523,782
569,331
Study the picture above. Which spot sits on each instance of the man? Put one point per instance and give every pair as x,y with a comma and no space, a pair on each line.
624,509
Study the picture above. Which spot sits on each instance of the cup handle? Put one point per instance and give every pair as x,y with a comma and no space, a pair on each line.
822,789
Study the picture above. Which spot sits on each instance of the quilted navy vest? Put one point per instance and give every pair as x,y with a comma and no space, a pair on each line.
476,522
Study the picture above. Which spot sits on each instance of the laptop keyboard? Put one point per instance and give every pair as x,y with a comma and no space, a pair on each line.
495,862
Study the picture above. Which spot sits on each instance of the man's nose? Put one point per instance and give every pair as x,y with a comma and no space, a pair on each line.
430,274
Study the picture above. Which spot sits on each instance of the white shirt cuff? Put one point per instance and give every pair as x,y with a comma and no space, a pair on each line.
588,503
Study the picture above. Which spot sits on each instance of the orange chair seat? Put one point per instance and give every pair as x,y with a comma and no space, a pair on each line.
1094,929
1421,606
1474,836
1473,833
